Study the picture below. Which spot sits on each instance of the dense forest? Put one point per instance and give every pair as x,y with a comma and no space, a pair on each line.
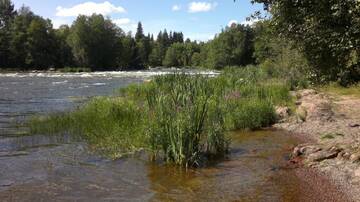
318,39
29,41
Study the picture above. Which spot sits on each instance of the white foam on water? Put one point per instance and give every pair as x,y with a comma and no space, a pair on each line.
60,82
99,84
115,74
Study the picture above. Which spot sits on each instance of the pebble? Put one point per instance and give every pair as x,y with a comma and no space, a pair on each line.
357,172
354,125
322,155
355,157
6,183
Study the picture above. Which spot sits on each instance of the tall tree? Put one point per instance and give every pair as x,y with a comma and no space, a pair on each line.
139,33
64,51
327,31
42,45
19,37
7,15
233,46
95,42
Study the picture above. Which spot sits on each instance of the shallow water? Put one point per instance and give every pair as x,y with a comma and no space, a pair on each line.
255,170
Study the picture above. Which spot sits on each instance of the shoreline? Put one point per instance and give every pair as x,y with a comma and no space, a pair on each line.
328,124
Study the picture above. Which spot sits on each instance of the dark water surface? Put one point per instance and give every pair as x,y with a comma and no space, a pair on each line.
41,168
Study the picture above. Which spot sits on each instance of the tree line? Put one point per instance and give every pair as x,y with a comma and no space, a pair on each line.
319,39
28,41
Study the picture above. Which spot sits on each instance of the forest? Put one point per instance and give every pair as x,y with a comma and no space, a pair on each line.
319,41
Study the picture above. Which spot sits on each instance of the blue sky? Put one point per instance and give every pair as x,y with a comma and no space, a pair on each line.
197,19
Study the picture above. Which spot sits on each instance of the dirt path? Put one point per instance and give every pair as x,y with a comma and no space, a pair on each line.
331,125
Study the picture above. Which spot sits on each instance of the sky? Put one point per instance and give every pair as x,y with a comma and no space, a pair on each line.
198,20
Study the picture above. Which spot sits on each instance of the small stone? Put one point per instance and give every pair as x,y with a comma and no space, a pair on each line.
354,125
298,103
296,152
340,154
335,149
346,155
282,112
357,172
307,150
322,155
355,157
301,113
307,92
6,183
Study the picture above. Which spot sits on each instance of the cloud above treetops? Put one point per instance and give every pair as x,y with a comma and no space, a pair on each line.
196,7
89,8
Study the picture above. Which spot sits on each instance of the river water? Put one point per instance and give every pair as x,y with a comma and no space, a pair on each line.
42,168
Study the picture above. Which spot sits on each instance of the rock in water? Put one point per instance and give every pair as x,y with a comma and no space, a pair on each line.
6,183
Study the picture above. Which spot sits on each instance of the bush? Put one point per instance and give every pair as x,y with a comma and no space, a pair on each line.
252,114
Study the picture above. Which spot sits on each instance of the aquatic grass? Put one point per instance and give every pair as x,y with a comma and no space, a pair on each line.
187,119
111,125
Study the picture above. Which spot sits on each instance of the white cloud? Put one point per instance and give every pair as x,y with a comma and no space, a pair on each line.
88,8
200,36
122,21
249,22
57,22
231,22
126,24
176,8
195,7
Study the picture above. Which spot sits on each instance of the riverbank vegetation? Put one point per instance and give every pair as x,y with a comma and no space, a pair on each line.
179,117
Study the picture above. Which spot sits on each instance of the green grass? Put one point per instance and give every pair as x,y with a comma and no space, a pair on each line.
181,118
339,90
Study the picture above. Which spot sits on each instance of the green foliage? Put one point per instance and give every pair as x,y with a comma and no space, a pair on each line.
250,113
7,15
175,56
279,58
233,46
90,36
41,41
327,31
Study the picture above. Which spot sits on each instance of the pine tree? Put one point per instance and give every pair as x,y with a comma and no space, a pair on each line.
139,33
7,15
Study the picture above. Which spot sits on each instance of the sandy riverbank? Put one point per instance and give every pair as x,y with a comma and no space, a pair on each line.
330,125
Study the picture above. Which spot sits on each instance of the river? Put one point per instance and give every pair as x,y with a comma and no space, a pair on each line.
43,168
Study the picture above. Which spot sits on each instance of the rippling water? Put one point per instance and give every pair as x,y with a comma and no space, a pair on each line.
26,94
